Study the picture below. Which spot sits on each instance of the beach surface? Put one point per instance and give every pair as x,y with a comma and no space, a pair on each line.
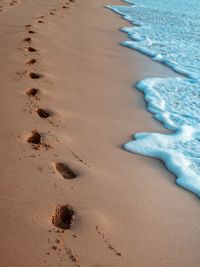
127,209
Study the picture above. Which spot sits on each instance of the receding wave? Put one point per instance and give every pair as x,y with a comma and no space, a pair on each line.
169,32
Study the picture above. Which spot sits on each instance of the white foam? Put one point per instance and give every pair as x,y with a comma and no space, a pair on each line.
169,32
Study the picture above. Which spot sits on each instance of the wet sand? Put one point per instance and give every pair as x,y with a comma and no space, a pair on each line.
117,209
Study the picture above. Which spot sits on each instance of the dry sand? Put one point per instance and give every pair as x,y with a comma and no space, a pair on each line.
128,211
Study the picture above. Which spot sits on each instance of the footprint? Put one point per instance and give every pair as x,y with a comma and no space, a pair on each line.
31,31
28,39
65,171
63,217
51,13
34,75
35,137
32,92
31,49
27,26
42,113
31,61
40,21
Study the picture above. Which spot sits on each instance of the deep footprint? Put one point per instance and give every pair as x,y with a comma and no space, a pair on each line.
42,113
28,39
31,49
34,75
32,92
63,217
65,171
35,137
31,61
31,32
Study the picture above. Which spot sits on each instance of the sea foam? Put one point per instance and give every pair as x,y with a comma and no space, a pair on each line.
169,32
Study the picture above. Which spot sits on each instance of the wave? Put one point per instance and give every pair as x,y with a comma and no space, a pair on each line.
169,32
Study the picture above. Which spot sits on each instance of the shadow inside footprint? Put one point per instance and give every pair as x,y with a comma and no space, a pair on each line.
31,49
42,113
35,137
65,171
31,61
28,39
32,91
31,32
34,75
63,217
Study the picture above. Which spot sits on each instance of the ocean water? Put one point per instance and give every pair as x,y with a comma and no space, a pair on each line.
168,31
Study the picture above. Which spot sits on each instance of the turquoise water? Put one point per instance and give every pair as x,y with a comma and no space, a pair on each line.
168,31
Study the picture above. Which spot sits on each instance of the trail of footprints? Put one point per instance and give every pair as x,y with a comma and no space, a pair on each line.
4,4
64,215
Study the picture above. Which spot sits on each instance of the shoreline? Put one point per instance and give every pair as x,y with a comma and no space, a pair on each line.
124,204
170,113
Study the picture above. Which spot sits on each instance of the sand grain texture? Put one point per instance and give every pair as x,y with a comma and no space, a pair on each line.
128,210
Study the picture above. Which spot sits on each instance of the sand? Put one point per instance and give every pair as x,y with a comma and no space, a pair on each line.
122,209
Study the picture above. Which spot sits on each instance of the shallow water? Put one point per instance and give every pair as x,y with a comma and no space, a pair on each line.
169,32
